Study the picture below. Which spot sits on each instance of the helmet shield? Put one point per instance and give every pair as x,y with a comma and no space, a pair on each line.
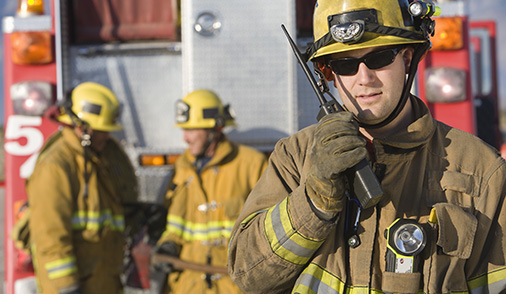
202,109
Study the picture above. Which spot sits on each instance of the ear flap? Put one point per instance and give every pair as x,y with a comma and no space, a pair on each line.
327,71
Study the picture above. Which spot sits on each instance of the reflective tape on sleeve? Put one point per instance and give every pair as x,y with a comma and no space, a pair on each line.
285,241
61,267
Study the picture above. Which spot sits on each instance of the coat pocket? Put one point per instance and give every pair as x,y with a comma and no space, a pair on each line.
453,187
456,230
401,283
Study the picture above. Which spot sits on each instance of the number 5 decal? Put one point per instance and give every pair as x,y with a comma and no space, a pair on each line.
19,126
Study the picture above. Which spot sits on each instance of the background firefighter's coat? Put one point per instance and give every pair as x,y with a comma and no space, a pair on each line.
203,209
77,240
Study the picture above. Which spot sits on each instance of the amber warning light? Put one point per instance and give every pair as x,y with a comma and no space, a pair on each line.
30,45
448,34
30,7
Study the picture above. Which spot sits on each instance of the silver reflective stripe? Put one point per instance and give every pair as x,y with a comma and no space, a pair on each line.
315,285
497,287
283,239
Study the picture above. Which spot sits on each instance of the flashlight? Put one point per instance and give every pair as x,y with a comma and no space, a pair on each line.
405,240
423,8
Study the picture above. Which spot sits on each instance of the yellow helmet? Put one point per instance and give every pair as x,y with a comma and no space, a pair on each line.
202,109
96,105
344,25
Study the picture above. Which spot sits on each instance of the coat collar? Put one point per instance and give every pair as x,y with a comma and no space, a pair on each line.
71,139
418,132
223,150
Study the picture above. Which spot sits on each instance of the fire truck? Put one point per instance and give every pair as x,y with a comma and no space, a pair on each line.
149,53
152,52
458,77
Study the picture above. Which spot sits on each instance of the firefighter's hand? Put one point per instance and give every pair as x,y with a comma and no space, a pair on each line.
166,248
156,220
337,147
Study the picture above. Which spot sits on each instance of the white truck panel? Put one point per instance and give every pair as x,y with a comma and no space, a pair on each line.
248,63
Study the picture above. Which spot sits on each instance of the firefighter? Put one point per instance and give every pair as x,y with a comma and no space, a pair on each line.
212,179
81,179
439,226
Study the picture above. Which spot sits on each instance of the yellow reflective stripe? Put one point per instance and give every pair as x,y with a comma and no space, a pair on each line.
192,231
251,216
94,220
285,241
245,222
315,279
61,267
491,282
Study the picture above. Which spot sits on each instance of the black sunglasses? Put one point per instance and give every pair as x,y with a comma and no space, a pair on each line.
375,60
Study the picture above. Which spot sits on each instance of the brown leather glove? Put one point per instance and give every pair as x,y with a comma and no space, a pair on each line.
337,146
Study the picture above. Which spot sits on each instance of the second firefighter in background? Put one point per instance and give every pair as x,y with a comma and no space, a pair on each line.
212,180
77,192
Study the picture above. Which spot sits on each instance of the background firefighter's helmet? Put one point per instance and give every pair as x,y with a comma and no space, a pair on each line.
96,105
384,23
202,109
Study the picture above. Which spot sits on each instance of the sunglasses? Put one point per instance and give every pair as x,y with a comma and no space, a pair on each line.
375,60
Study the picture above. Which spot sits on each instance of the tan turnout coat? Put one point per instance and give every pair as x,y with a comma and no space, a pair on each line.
202,210
279,245
78,240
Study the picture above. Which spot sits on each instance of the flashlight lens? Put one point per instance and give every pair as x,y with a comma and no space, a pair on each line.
416,9
409,238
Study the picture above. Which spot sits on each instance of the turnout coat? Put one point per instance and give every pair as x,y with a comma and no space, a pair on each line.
202,209
280,245
77,239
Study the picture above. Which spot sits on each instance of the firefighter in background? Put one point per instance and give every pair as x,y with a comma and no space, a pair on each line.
301,229
81,179
212,179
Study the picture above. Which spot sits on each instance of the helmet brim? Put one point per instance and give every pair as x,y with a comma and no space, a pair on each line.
366,42
65,118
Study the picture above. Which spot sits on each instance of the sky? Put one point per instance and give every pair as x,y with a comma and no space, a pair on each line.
479,10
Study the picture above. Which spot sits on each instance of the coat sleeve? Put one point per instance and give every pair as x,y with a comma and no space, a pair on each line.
50,196
277,232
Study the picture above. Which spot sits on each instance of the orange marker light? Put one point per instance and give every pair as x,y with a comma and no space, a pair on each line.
158,159
152,159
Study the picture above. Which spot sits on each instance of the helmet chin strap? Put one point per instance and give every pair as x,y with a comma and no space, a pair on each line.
85,141
209,140
413,67
199,159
